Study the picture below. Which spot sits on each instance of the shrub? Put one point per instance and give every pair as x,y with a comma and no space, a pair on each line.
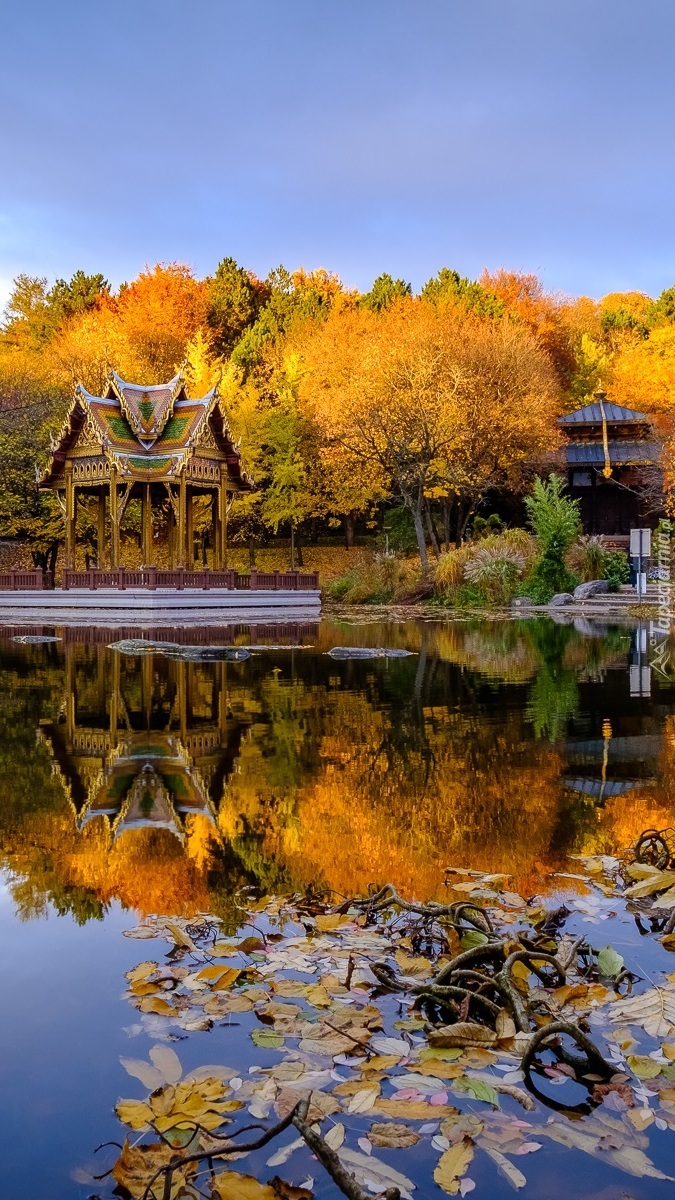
484,526
500,560
400,530
587,558
556,524
554,517
377,582
496,570
470,595
548,576
450,570
617,569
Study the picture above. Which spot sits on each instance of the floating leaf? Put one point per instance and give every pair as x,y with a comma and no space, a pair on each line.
477,1088
464,1033
610,964
391,1045
267,1039
149,1076
452,1164
231,1185
643,1066
136,1166
134,1113
335,1136
371,1170
393,1135
514,1176
364,1099
167,1062
654,1010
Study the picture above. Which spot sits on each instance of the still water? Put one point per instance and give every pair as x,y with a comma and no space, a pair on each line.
135,783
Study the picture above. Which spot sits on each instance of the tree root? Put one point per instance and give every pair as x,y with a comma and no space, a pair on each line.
592,1061
297,1117
388,897
330,1161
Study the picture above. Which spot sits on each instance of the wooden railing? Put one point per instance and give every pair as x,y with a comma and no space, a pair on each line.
25,581
151,578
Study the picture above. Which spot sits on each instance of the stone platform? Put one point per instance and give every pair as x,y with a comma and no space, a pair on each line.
170,606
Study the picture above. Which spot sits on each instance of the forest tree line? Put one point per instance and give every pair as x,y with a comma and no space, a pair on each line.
346,404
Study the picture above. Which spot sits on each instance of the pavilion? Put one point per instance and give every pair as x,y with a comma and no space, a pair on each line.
152,443
611,455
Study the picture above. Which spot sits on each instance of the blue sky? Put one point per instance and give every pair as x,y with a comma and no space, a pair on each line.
360,135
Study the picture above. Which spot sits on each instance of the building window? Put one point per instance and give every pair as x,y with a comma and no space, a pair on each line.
582,479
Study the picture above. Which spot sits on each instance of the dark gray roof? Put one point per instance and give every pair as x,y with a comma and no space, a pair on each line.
604,788
592,453
591,414
638,748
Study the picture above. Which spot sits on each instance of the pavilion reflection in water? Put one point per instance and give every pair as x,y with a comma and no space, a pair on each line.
142,742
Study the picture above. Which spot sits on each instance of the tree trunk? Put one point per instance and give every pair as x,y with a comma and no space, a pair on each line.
432,531
314,530
468,512
446,524
292,547
298,551
349,531
419,534
251,554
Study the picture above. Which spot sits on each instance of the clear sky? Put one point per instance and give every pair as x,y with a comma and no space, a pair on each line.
360,135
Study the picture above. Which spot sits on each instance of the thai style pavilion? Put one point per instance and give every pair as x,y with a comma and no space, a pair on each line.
611,456
152,443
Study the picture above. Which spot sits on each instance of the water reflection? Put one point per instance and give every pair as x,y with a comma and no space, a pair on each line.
169,784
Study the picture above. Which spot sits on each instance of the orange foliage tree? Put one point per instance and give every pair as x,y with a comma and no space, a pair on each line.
437,401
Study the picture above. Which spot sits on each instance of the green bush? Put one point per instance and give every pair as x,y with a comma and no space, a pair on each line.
470,595
337,589
617,569
556,524
484,526
400,530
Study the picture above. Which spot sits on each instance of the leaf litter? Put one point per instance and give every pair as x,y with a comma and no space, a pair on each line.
479,1030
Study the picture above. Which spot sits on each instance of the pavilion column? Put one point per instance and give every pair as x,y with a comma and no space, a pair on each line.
70,517
100,533
180,547
171,535
221,534
182,701
190,529
114,699
70,695
146,526
114,522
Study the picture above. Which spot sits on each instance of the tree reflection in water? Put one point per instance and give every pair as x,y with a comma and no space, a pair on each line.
168,784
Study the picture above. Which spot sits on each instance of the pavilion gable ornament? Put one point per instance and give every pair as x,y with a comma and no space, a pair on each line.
146,408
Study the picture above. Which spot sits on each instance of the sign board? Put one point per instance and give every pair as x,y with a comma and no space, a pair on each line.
640,681
640,543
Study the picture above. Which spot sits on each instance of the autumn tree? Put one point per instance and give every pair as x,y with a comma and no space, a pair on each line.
449,287
384,291
440,403
235,298
525,300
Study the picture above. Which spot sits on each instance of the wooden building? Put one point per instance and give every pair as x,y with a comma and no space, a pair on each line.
611,457
155,444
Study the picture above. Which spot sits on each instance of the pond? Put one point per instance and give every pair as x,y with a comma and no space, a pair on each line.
165,780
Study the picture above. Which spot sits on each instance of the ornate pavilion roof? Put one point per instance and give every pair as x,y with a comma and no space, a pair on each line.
148,432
